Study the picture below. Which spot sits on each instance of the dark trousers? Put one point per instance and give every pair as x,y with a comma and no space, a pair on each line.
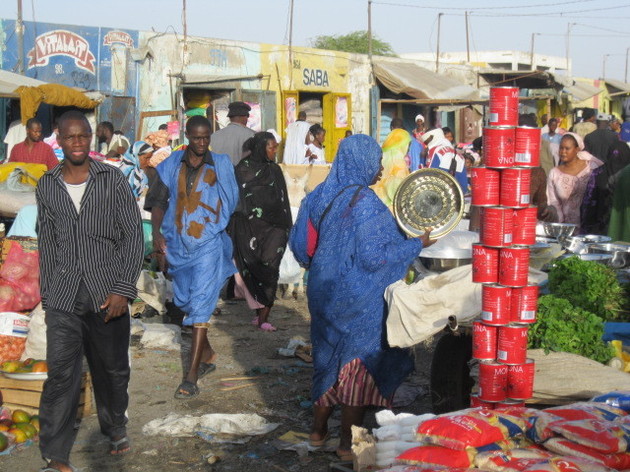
106,348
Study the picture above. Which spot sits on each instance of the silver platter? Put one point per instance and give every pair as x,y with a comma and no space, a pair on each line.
428,198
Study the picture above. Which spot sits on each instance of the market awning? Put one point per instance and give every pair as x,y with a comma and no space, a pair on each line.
537,79
617,87
10,81
582,91
418,82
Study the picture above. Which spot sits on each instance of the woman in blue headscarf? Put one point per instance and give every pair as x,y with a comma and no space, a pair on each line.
132,166
360,251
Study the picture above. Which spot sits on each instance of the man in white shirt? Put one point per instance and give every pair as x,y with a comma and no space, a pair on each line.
15,134
110,144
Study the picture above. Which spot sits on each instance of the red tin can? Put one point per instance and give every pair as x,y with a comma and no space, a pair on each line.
520,384
515,187
510,404
527,147
484,341
524,304
525,220
486,184
485,264
495,304
498,146
492,381
513,266
497,225
476,402
503,106
512,344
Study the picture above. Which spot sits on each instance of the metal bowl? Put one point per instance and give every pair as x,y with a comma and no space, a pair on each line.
620,254
605,259
593,238
442,264
428,198
559,230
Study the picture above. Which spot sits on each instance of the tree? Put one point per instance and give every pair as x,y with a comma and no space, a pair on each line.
357,41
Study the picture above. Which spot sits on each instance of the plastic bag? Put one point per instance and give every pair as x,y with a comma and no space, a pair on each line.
36,340
436,455
603,436
19,280
13,332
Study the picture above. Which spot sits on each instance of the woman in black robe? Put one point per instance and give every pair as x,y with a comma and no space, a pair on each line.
260,225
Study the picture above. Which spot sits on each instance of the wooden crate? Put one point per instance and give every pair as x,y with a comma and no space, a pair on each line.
25,395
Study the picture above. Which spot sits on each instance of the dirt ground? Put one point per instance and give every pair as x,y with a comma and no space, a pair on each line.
280,394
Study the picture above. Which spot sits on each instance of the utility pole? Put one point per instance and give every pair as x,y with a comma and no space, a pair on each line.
370,31
531,51
19,29
185,26
625,77
291,45
437,54
568,66
467,40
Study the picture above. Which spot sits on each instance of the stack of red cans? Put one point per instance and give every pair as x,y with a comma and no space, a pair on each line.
501,258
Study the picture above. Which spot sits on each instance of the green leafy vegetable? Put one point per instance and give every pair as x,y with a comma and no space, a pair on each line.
588,285
562,327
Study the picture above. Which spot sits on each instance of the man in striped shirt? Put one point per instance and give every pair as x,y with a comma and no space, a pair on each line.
91,250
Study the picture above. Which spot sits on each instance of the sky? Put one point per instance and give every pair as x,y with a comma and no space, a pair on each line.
598,36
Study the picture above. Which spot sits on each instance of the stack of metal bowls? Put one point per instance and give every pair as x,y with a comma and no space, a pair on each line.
559,230
619,253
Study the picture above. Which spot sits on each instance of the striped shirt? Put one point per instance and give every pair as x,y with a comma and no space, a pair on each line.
102,244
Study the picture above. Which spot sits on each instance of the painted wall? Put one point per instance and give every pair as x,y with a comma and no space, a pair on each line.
92,58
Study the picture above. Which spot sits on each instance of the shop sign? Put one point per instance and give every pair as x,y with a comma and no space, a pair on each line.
120,37
61,43
317,77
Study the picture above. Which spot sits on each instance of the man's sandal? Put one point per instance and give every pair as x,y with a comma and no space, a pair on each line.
186,389
117,447
205,368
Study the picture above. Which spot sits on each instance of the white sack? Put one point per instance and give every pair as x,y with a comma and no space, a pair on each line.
214,423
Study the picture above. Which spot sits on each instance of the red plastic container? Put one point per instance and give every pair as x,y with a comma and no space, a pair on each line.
495,305
527,147
503,106
512,345
497,226
515,184
498,146
486,184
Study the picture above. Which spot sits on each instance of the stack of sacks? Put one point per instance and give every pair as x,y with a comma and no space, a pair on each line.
397,434
453,440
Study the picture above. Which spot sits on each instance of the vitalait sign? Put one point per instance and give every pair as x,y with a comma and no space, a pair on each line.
61,43
121,37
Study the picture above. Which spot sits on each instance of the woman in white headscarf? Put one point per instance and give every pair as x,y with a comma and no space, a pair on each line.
296,145
567,182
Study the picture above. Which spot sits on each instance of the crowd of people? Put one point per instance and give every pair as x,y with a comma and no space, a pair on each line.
220,221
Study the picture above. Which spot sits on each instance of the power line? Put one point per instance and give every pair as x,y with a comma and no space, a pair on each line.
513,7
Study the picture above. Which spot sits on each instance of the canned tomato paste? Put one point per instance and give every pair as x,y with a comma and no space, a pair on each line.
485,264
498,146
524,232
497,225
510,404
485,186
484,341
524,304
513,266
492,381
503,106
476,402
495,304
527,147
512,344
515,187
520,385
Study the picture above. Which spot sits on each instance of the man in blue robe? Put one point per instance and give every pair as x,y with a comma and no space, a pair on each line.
191,202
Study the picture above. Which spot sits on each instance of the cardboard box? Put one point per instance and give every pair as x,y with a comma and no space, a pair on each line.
25,395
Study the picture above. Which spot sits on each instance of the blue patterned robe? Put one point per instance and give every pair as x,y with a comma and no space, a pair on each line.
360,252
198,250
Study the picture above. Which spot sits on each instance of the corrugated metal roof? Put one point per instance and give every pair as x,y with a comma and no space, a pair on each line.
582,91
418,82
